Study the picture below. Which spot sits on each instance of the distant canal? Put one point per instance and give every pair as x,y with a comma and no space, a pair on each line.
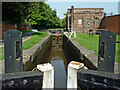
58,60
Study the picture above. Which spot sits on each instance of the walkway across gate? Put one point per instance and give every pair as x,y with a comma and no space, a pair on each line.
78,75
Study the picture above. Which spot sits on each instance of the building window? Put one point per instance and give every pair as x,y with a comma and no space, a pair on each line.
79,21
88,21
96,21
87,12
22,26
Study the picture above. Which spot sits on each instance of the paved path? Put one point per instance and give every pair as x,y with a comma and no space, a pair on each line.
1,66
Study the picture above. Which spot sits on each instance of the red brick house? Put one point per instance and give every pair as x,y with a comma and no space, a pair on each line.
6,26
23,27
111,23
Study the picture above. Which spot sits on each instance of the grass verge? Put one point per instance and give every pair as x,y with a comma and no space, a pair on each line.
37,36
92,43
26,31
34,40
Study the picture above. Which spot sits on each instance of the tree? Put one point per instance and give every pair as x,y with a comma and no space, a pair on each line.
12,12
64,20
38,14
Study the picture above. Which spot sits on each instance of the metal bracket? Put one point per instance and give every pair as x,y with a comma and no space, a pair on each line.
13,51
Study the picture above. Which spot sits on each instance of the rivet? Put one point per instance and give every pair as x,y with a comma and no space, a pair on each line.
10,57
11,83
93,79
110,37
9,35
24,81
109,57
105,80
36,81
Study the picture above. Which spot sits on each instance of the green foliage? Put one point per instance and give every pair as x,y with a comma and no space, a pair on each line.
38,14
12,12
42,16
64,21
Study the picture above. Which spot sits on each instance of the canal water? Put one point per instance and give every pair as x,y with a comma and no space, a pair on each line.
58,60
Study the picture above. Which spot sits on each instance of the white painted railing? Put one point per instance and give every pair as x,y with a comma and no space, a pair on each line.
72,33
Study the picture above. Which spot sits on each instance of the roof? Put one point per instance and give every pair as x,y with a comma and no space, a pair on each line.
113,15
87,8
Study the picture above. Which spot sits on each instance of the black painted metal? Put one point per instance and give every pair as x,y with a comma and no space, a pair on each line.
98,79
106,53
117,41
13,51
22,80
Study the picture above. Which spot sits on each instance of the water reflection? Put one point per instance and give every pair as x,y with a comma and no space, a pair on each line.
58,60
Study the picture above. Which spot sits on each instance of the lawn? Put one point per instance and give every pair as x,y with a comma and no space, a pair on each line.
1,53
37,36
26,31
34,40
92,43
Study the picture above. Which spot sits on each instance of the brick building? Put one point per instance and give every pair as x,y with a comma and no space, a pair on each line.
24,27
84,19
7,26
111,23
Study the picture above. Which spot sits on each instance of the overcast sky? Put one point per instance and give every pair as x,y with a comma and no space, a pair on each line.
62,6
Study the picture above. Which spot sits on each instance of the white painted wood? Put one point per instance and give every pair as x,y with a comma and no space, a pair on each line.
73,67
72,33
48,75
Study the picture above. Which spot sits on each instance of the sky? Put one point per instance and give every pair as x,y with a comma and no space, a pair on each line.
63,5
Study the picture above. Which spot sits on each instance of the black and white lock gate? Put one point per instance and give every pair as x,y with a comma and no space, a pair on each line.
14,76
97,80
106,52
22,80
13,51
104,76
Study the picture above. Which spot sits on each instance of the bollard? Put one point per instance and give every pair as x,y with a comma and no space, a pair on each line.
106,51
73,67
48,75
